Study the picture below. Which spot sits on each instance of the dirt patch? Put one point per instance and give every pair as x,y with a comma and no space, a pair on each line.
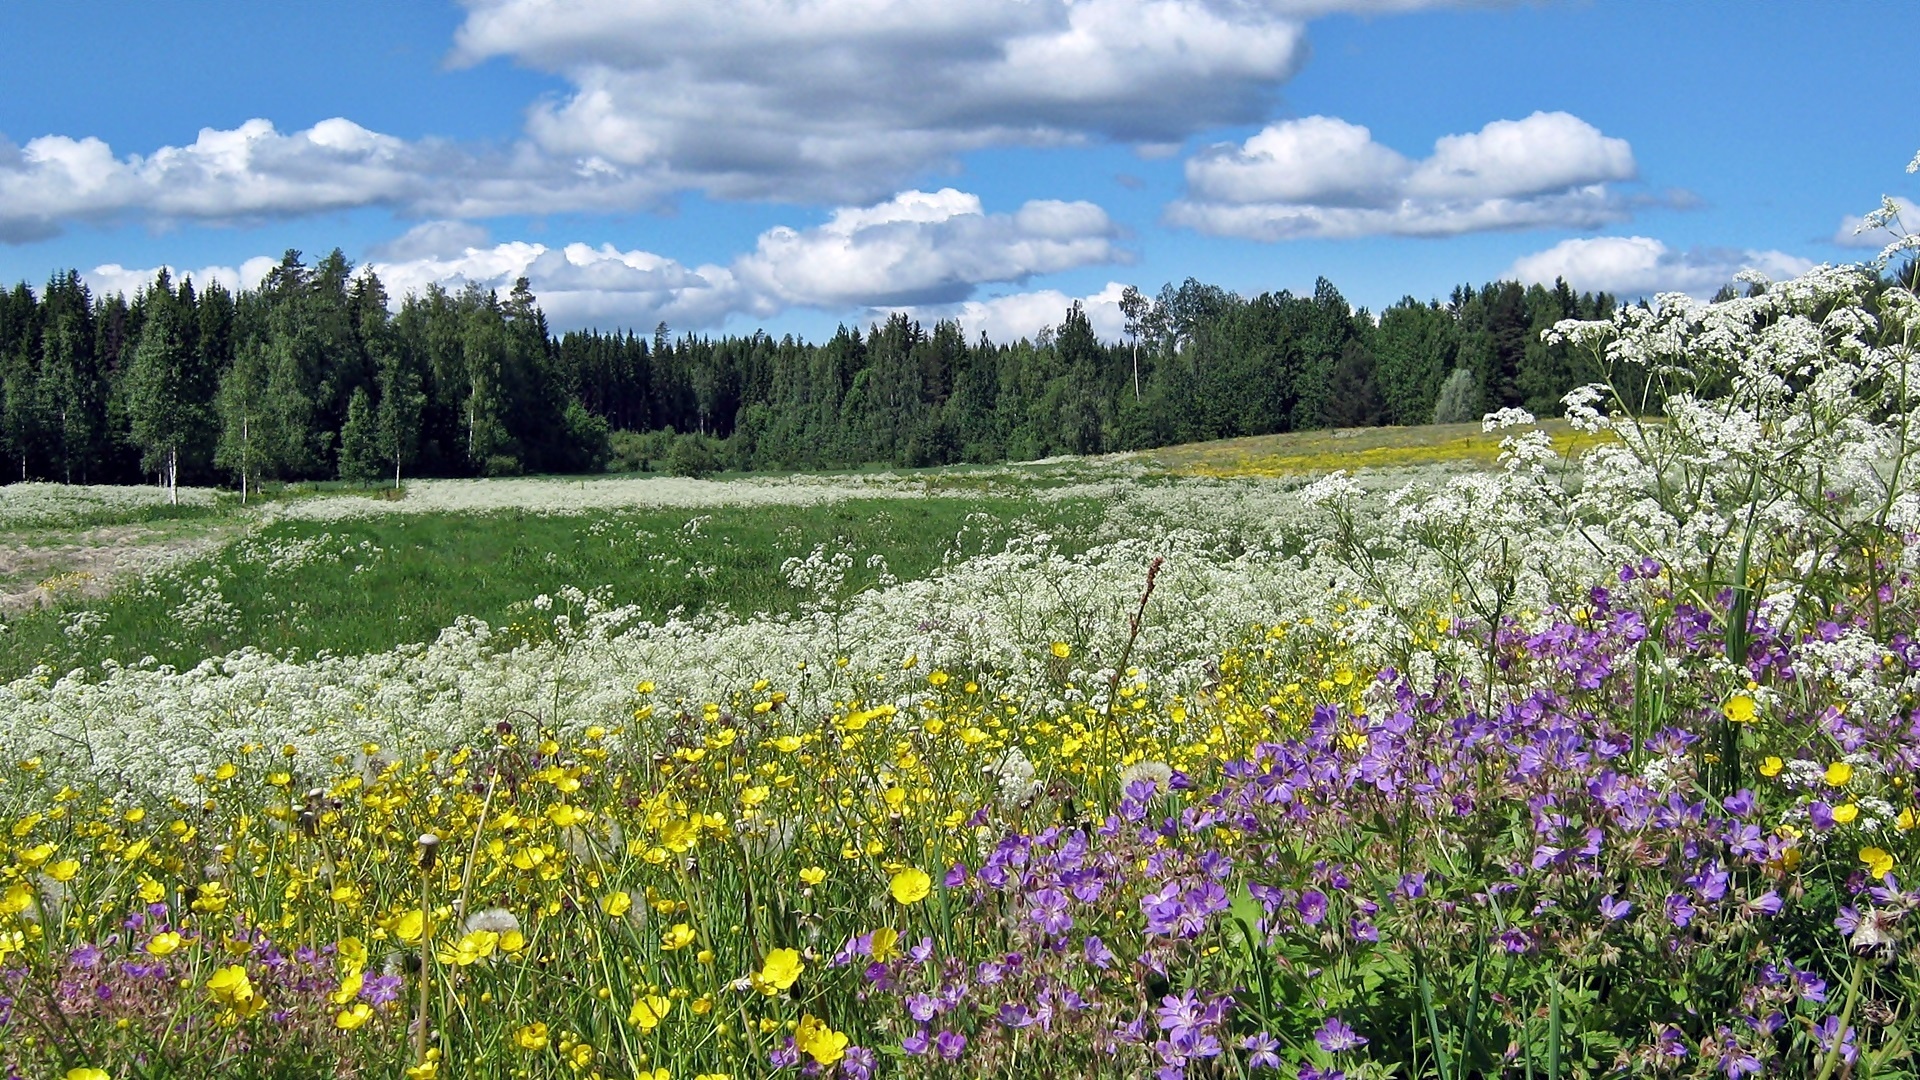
45,569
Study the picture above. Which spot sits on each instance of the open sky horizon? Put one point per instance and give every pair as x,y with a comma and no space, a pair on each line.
728,165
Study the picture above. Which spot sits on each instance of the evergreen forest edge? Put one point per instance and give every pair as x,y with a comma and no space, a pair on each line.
310,376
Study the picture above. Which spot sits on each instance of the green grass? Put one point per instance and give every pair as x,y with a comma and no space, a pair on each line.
381,582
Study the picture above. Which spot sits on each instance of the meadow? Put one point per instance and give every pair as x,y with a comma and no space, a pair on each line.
1576,749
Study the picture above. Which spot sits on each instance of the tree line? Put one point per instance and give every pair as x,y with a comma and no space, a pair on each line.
314,374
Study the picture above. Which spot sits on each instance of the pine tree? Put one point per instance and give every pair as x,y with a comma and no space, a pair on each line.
359,441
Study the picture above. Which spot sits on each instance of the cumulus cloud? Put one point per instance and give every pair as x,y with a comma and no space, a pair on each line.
580,285
839,99
1641,266
1024,315
114,278
924,248
917,248
255,172
1321,176
830,101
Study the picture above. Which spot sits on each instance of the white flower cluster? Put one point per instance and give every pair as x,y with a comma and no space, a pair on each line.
41,505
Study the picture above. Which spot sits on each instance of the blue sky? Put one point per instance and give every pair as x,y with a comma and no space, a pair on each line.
732,164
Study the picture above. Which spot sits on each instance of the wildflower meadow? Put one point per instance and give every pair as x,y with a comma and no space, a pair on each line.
1596,762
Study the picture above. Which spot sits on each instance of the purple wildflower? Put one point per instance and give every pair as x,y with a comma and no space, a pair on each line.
1312,907
1260,1047
950,1045
1050,911
1336,1036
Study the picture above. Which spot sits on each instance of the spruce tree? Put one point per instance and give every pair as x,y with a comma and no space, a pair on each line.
359,441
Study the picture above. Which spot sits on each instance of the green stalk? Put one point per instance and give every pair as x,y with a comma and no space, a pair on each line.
1433,1023
1553,1030
1846,1017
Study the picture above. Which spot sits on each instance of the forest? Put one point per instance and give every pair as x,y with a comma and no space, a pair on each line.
315,374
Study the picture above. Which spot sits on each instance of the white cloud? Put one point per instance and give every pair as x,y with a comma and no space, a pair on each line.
924,248
917,248
840,99
828,101
1641,266
431,238
114,278
580,285
1321,176
255,171
1848,234
1024,315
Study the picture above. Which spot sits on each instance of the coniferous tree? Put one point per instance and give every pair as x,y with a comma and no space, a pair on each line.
360,441
73,388
22,403
1353,397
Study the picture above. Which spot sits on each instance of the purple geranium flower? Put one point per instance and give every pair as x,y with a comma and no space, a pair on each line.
1260,1049
1336,1036
1312,907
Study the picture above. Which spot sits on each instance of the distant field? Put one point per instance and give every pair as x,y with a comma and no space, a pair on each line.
93,574
1304,453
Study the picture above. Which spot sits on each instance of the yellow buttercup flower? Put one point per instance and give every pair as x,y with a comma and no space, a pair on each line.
230,987
469,950
1878,862
818,1041
778,972
647,1012
84,1073
886,943
1845,814
910,886
349,988
354,1017
163,944
1771,766
677,937
409,925
1062,650
532,1037
616,904
1739,709
812,875
1838,774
